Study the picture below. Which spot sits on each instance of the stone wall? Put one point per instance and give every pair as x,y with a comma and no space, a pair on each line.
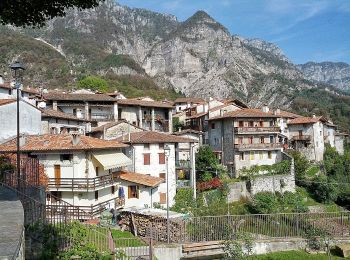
274,183
237,191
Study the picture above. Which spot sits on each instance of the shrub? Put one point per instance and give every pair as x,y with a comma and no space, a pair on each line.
93,83
214,183
265,203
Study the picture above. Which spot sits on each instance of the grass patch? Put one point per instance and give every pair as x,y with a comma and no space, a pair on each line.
292,255
126,239
312,171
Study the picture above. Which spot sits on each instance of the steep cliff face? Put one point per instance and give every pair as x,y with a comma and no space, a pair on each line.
197,57
333,73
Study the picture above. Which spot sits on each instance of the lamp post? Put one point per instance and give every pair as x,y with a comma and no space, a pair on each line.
17,69
167,154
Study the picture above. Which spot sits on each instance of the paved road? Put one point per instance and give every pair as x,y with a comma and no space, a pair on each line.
11,222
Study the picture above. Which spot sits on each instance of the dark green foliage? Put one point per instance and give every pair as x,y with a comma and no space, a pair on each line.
115,61
301,164
279,168
93,83
36,12
177,124
206,163
184,201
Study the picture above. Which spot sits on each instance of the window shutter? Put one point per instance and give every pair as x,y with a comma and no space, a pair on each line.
96,195
146,159
162,158
129,192
162,198
162,176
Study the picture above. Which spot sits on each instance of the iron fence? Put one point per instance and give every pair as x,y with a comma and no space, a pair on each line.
261,226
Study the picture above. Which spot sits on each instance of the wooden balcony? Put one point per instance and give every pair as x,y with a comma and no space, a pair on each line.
258,146
82,184
258,130
302,138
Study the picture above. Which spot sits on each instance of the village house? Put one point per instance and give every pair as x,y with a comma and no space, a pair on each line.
57,122
114,130
86,172
183,103
310,134
244,138
149,152
8,91
30,119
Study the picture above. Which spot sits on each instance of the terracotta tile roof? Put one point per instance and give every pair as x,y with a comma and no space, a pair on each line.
77,97
306,120
62,142
27,89
139,178
58,114
197,115
186,131
111,124
257,113
6,101
189,100
6,85
143,103
219,107
149,137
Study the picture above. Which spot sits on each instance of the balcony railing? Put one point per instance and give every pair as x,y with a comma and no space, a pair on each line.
301,138
249,130
92,211
101,117
267,146
82,184
183,164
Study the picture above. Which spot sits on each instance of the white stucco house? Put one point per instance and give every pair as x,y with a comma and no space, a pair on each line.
84,171
30,119
148,150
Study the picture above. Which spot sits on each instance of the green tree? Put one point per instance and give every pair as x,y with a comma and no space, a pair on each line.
301,164
206,163
93,83
177,124
324,190
265,203
36,12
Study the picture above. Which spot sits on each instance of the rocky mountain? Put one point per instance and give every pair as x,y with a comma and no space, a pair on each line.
141,52
333,73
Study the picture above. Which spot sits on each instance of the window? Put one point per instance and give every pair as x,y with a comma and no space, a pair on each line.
240,140
74,112
112,189
66,157
162,176
300,132
162,198
55,196
212,125
133,192
162,158
272,139
96,169
96,195
240,123
261,155
251,123
161,146
269,154
146,147
251,155
251,140
242,156
262,139
271,123
146,159
261,124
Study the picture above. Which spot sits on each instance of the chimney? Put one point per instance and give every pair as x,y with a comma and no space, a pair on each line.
22,140
75,138
265,109
54,105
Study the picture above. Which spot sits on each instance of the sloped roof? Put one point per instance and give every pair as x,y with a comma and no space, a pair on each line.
139,178
111,124
144,103
189,100
58,114
197,115
59,142
77,97
306,120
256,113
6,101
148,137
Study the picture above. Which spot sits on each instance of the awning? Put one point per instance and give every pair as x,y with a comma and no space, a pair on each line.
110,160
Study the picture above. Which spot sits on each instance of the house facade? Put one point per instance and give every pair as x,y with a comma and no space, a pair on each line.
30,119
245,138
114,130
83,171
150,158
183,103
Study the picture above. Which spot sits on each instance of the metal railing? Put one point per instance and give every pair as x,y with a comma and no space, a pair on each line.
259,146
261,226
86,184
258,129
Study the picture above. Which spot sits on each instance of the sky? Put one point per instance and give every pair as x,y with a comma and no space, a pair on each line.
306,30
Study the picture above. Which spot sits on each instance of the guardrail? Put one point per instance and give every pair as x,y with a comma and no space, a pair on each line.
266,146
301,138
249,130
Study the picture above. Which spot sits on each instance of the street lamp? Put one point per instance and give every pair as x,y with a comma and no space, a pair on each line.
18,69
167,154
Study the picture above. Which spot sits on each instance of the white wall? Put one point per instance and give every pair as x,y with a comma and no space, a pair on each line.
30,120
145,198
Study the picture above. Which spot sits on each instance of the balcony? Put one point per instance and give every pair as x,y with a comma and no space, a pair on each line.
251,130
101,117
259,146
301,138
82,184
